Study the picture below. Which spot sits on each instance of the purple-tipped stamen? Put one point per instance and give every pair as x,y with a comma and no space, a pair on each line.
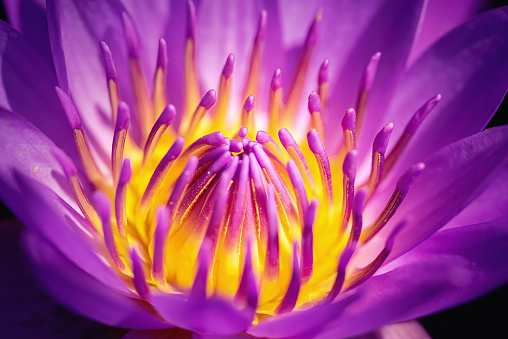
317,147
119,137
121,196
288,303
139,279
165,119
299,189
308,241
348,190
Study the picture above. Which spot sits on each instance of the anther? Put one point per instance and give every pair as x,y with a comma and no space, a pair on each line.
401,190
316,146
235,146
272,247
296,154
289,300
303,64
163,122
214,139
410,130
349,175
221,109
160,172
80,197
378,157
276,102
299,189
316,114
159,81
248,113
159,240
256,56
365,85
103,207
247,294
323,85
308,241
112,78
349,127
87,159
121,196
139,279
205,104
119,136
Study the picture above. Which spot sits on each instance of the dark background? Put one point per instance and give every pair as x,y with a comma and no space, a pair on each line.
482,318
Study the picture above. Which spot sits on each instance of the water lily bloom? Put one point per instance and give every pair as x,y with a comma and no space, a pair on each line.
271,169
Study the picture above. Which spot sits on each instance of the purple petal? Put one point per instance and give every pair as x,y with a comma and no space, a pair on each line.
440,18
27,310
213,315
454,176
27,83
33,186
172,333
478,254
299,322
489,205
29,17
468,68
389,297
409,329
82,293
75,30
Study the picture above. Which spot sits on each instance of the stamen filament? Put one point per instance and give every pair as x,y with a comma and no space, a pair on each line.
91,169
317,147
119,136
121,196
396,199
410,130
163,122
256,57
308,242
145,111
316,114
378,157
349,175
248,113
139,279
221,109
288,303
303,64
191,78
160,173
205,104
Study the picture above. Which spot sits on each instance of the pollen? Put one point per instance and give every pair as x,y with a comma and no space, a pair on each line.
215,206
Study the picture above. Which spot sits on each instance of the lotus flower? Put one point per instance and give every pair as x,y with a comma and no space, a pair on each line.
204,169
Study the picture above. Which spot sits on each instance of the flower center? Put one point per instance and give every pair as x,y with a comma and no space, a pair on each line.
221,202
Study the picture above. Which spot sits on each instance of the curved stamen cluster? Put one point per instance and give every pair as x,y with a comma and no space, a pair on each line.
271,223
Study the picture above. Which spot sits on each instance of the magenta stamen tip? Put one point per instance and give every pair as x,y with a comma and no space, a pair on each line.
349,120
66,163
208,99
313,33
422,113
249,103
228,66
349,165
125,172
286,138
162,56
260,35
236,146
382,138
102,204
130,34
276,80
124,115
167,116
242,132
323,72
263,137
69,108
408,178
314,140
111,72
191,20
370,72
314,103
